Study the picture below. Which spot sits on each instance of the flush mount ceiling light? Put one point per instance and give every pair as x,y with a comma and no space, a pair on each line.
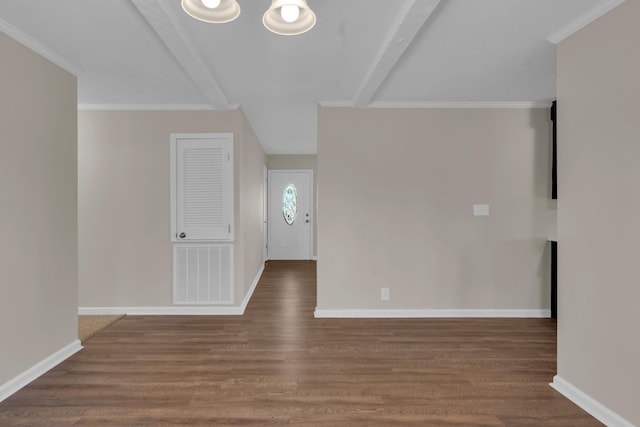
289,17
285,17
214,11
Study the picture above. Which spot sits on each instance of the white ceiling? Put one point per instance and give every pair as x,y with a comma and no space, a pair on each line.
150,54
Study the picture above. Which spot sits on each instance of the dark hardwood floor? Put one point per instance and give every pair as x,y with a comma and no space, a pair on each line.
277,365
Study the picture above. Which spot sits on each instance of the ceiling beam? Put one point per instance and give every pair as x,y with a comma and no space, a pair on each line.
158,14
408,23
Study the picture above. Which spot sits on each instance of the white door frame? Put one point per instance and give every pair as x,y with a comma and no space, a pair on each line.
311,206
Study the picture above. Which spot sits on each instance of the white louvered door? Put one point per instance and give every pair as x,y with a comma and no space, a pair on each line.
202,218
203,188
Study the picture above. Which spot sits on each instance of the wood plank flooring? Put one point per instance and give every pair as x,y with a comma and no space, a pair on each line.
277,365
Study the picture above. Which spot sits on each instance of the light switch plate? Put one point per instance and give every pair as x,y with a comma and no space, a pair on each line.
480,210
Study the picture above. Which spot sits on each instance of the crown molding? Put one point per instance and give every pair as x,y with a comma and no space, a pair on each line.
582,21
152,107
328,104
38,47
443,105
348,104
463,105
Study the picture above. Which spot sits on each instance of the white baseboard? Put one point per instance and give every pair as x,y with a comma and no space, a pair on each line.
383,313
247,297
23,379
176,310
589,404
162,311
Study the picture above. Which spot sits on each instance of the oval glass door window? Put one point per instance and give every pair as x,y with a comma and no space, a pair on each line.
290,203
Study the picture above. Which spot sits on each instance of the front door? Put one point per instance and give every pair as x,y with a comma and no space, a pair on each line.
290,208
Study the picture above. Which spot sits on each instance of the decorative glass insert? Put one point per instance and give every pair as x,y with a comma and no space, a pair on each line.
290,203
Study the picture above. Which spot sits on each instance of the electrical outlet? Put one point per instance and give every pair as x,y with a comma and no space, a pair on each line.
384,294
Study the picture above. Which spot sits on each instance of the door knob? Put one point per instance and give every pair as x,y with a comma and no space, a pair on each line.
182,235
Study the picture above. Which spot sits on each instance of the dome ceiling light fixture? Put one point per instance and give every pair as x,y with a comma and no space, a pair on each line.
213,11
289,17
284,17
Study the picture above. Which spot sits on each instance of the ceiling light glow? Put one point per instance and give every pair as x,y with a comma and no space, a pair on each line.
290,12
211,4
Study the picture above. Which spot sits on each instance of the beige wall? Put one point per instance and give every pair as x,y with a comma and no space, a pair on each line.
396,191
280,162
599,210
124,203
250,240
38,196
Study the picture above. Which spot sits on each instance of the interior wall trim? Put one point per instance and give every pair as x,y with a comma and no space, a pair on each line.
249,294
588,403
150,107
328,103
177,310
443,105
162,311
463,105
430,313
38,48
582,21
50,362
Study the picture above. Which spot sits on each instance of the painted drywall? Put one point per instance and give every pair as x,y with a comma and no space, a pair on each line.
38,199
599,209
396,191
250,195
124,203
283,162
